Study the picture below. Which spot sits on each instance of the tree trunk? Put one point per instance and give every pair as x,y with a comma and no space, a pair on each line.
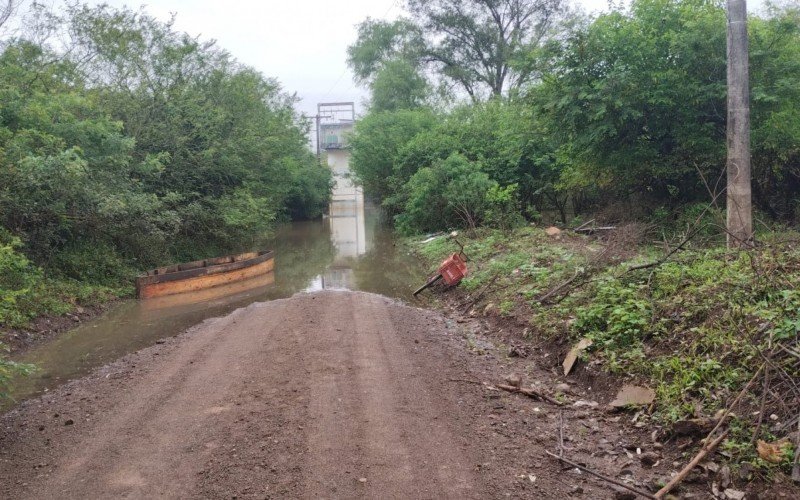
739,198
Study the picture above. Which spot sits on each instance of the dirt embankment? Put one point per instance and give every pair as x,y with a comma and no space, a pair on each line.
325,395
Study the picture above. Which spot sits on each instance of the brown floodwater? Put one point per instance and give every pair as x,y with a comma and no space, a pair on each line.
352,249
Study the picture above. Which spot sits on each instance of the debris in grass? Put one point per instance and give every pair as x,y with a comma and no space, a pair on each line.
574,353
774,452
633,395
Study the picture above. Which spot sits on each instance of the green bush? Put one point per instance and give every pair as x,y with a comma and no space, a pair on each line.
617,318
449,194
18,281
502,207
376,143
26,292
92,262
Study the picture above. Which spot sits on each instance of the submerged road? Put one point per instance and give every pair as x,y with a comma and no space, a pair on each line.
333,394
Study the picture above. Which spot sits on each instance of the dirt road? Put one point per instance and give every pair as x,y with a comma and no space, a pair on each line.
325,395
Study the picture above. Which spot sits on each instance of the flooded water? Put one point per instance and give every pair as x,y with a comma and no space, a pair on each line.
352,249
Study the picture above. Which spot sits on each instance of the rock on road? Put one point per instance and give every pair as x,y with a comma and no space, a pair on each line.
333,394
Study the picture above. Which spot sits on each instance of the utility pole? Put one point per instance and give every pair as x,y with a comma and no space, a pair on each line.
739,197
317,132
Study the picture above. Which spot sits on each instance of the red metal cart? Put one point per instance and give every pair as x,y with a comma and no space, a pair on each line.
452,270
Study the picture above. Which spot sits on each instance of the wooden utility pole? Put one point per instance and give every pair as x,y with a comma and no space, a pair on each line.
739,205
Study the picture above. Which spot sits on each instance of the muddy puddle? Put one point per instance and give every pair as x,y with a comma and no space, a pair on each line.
351,249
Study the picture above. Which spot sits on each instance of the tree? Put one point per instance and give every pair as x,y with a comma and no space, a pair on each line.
636,100
485,44
125,144
739,204
376,143
774,50
6,10
398,85
381,42
386,58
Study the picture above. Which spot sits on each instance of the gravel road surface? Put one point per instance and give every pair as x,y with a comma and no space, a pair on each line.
325,395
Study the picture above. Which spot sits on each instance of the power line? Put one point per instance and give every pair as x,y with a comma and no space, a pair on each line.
392,6
335,84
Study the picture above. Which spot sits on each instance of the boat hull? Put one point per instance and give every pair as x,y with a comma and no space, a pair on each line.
203,274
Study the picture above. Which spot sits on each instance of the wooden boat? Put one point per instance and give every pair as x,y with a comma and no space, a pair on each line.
202,274
210,297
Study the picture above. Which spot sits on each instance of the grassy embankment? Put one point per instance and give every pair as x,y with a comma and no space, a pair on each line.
695,327
27,293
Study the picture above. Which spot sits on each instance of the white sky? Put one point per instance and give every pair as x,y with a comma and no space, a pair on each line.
302,43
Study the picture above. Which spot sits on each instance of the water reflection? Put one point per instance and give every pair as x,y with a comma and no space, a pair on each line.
351,249
347,226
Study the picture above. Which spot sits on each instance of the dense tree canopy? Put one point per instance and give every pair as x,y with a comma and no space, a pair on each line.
125,144
625,109
380,42
638,99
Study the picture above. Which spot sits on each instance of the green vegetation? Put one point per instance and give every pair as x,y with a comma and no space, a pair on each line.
620,116
694,327
25,291
125,144
450,190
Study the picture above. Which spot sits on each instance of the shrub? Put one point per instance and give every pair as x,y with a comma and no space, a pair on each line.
18,279
502,207
451,193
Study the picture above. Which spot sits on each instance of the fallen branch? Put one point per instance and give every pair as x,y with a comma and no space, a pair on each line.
735,401
558,288
764,393
593,229
705,450
695,228
796,463
665,257
481,293
584,273
601,476
528,392
582,226
708,446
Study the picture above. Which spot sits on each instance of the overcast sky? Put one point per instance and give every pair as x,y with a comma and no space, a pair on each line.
302,43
